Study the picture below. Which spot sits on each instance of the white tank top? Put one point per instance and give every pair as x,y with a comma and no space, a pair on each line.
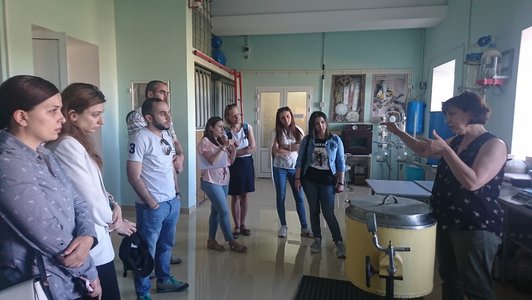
241,139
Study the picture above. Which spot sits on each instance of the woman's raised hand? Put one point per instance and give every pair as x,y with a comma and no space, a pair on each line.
392,127
434,147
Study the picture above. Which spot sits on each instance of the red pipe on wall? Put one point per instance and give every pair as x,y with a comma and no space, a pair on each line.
212,61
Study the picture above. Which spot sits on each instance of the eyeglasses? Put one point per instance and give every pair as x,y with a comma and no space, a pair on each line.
165,146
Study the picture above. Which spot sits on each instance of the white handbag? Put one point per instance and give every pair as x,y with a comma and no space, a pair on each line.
29,289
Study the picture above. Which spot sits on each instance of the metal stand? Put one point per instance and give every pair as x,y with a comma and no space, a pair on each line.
390,253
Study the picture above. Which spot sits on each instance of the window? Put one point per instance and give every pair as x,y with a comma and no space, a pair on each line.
201,28
442,84
445,77
523,104
213,93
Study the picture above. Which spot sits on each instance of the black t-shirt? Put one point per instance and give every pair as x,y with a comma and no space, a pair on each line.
319,171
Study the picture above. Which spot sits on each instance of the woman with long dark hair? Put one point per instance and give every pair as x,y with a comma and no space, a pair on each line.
83,107
320,171
215,154
41,213
286,141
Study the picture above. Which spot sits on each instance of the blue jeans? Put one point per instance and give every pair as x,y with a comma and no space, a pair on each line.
158,228
219,209
322,196
280,176
465,262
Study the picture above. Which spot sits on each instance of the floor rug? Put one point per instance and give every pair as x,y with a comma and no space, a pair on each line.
317,288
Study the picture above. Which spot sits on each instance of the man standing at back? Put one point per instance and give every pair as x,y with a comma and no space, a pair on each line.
150,171
135,122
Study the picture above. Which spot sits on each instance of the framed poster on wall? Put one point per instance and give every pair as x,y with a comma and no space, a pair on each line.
347,98
137,90
390,91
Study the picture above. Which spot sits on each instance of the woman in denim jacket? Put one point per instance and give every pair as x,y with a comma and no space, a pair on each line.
320,171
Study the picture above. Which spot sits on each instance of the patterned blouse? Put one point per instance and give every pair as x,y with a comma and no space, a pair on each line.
456,208
40,209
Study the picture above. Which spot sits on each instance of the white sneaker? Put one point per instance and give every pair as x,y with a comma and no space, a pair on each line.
305,232
340,249
283,231
316,246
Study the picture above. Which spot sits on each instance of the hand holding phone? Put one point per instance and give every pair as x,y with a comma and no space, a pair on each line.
86,284
91,288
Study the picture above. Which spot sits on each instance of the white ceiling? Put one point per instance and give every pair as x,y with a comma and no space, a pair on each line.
251,17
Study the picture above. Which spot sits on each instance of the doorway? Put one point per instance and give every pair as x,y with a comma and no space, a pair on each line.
50,56
269,100
61,60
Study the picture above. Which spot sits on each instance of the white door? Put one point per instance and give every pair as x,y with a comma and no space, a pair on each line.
269,99
61,59
50,57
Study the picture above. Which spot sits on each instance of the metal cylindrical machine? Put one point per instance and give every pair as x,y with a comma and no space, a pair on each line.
405,223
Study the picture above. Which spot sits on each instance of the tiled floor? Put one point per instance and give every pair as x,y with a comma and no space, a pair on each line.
271,269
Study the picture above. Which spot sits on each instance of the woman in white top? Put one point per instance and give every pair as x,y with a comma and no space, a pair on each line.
286,140
83,106
215,154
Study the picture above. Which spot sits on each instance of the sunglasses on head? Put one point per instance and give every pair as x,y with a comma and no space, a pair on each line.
165,146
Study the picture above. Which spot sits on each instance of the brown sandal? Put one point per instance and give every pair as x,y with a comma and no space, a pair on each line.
245,231
238,247
213,244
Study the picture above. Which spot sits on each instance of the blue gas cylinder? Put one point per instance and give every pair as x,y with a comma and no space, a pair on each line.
437,122
216,42
219,56
415,116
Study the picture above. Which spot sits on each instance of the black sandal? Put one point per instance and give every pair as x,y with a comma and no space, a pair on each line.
245,231
236,232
